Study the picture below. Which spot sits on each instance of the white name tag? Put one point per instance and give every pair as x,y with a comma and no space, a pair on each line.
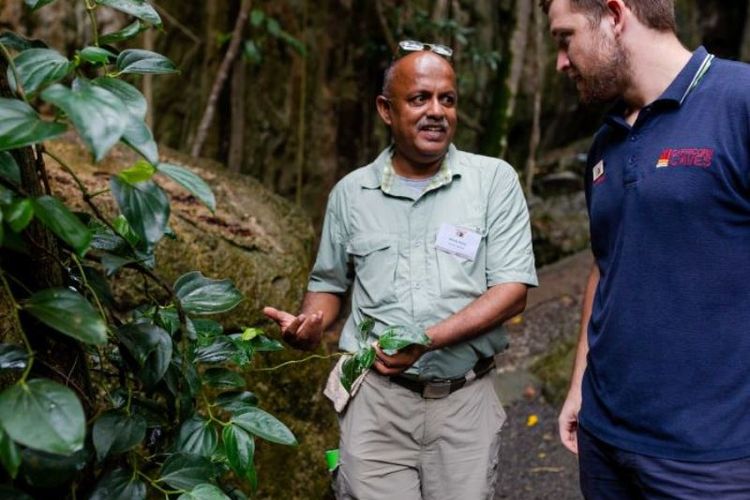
458,240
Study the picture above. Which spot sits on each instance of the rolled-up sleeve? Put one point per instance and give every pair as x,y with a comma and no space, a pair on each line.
330,272
510,258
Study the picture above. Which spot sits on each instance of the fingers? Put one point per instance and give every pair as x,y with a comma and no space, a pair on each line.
392,365
568,428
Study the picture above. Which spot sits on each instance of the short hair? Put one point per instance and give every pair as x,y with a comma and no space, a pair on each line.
655,14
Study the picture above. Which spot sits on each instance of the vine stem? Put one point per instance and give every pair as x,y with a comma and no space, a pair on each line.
90,9
156,486
16,307
88,287
298,361
19,88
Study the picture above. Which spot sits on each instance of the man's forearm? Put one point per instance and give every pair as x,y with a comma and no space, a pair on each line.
328,303
496,305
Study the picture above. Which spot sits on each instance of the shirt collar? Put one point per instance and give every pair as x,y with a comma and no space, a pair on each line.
383,176
675,93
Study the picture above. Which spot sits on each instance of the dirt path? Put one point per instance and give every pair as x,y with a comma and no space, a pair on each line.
533,464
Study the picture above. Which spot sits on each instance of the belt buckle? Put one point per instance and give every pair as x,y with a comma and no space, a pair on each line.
436,390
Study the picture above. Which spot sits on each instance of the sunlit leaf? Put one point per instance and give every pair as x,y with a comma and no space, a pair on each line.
61,221
136,8
20,125
99,115
39,67
265,426
141,171
201,295
144,62
43,415
187,179
68,312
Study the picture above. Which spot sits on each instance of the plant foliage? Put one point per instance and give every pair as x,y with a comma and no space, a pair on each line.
167,412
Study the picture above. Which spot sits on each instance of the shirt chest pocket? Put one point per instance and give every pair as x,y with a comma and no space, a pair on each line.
460,277
375,261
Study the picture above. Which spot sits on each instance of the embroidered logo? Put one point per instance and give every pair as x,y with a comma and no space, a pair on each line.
685,157
597,174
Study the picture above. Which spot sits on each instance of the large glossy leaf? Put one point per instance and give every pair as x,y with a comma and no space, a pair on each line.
39,67
119,484
19,214
239,447
219,350
185,471
9,169
237,401
204,491
138,136
261,343
223,378
198,436
201,295
10,456
144,62
68,312
150,346
96,55
136,8
19,43
194,184
126,33
61,221
99,115
395,338
356,365
12,357
145,206
129,95
20,125
40,469
35,4
266,426
116,431
43,415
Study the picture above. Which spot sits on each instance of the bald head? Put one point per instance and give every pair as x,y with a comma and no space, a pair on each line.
411,64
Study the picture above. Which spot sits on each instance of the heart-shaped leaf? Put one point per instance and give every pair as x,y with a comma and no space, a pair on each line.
68,312
185,471
198,436
20,125
129,95
136,8
61,221
119,484
39,67
145,206
201,295
194,184
264,425
116,431
223,378
395,338
239,447
144,62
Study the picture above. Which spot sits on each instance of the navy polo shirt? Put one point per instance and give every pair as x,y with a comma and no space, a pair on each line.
668,370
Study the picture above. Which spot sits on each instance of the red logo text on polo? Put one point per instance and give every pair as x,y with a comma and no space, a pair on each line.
686,157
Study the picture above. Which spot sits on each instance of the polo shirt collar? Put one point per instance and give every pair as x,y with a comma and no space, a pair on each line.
383,176
675,93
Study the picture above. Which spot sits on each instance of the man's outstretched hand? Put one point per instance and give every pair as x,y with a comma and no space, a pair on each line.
302,332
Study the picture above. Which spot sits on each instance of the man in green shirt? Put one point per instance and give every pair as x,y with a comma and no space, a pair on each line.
434,238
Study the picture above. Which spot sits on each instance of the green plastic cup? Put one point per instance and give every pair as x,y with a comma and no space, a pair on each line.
332,459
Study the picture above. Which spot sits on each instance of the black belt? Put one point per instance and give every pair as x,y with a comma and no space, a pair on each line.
436,389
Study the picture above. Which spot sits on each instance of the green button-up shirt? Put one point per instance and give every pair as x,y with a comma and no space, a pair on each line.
379,239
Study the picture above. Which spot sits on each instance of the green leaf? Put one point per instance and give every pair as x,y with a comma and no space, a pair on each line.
115,432
96,55
194,184
198,437
136,8
140,172
138,136
40,469
144,62
185,471
119,484
126,33
145,206
252,52
395,338
365,328
265,426
122,226
237,401
239,447
273,27
10,456
39,67
204,491
9,169
8,493
150,346
207,328
99,115
218,351
61,221
201,295
129,95
19,43
43,415
257,16
19,214
223,378
35,4
356,365
12,357
20,125
262,343
68,312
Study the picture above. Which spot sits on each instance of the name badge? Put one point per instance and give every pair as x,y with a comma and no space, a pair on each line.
458,240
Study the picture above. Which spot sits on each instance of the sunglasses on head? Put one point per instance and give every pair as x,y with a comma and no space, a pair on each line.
415,46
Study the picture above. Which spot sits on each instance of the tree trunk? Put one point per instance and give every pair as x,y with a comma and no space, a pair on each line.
540,53
518,44
237,116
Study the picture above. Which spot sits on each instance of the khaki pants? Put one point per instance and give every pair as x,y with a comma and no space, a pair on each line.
397,445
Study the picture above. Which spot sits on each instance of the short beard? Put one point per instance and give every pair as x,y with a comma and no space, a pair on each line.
608,79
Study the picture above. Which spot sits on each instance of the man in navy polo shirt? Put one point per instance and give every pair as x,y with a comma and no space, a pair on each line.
659,403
